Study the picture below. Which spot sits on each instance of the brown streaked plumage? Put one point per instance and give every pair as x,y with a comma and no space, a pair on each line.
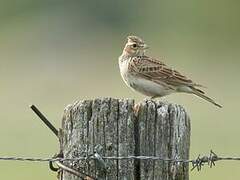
152,77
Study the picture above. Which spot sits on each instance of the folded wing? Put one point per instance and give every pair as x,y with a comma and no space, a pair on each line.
152,69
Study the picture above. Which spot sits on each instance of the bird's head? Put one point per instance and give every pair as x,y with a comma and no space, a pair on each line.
135,46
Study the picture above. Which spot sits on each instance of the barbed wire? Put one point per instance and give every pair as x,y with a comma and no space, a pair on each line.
196,163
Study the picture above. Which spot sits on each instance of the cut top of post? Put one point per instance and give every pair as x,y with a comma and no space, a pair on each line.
120,128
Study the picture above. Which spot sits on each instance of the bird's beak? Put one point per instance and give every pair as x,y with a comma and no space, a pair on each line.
145,46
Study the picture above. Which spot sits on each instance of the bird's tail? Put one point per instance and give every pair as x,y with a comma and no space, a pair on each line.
200,93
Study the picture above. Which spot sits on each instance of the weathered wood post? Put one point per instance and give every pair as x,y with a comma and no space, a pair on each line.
113,127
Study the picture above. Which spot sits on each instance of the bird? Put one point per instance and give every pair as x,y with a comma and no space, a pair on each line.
151,77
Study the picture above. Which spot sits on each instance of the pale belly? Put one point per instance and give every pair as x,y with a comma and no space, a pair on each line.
148,88
145,87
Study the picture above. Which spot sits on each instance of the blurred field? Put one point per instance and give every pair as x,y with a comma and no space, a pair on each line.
55,52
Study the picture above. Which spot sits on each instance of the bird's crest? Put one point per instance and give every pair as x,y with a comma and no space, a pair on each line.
135,39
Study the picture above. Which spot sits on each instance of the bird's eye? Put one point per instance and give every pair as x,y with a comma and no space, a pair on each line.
134,45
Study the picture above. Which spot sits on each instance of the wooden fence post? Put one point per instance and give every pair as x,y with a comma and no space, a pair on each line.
111,127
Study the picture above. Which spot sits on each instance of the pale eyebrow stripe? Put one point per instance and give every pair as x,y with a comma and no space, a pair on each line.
130,43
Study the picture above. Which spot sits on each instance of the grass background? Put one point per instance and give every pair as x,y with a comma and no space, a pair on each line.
55,52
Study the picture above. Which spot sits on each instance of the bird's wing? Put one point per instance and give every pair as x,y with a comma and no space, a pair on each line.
154,70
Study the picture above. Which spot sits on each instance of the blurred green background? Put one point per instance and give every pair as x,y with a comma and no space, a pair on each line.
53,52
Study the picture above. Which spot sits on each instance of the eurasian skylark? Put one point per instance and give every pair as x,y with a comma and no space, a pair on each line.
152,77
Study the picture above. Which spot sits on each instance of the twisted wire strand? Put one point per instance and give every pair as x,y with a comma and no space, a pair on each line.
33,159
196,163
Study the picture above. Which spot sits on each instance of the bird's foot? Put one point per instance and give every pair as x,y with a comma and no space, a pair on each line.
150,98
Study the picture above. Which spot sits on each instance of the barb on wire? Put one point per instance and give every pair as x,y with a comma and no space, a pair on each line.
209,160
